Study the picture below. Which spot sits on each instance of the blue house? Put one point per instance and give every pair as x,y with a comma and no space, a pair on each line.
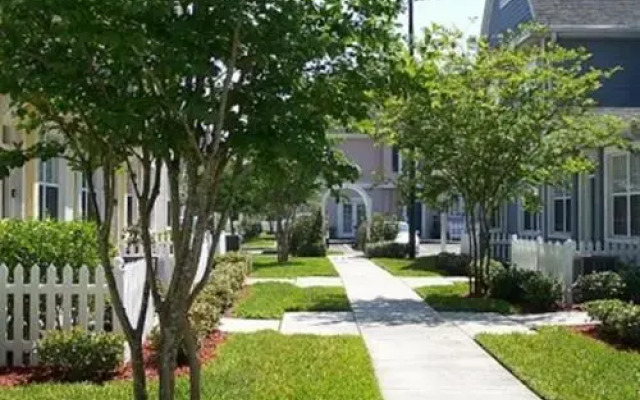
605,205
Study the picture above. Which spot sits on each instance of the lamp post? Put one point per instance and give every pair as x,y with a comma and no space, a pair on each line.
412,165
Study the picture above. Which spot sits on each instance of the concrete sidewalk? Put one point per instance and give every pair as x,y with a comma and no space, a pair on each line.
416,354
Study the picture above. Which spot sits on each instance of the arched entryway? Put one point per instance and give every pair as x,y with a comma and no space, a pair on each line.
344,212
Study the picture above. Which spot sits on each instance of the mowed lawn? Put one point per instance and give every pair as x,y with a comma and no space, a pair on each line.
268,267
422,266
456,298
272,300
261,242
261,366
562,365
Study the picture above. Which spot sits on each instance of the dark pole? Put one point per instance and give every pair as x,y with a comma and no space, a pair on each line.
412,165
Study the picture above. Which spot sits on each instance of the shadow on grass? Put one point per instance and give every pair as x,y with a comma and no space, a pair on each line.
456,298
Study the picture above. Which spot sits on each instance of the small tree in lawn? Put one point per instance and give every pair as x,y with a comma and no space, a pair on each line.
194,90
494,124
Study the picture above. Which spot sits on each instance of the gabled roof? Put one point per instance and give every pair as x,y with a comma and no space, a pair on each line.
611,14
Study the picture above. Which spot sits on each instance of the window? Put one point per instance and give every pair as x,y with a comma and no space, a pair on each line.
129,209
561,203
396,160
84,198
624,186
495,221
169,214
48,189
530,221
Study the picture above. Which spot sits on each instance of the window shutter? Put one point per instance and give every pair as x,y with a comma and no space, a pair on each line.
395,159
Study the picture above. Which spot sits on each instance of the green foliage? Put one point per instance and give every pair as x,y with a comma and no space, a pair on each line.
383,228
272,300
307,236
620,320
631,279
251,229
34,242
456,297
454,264
534,291
598,286
557,363
540,293
77,355
269,267
386,250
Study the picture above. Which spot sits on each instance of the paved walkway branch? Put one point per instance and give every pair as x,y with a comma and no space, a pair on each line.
417,354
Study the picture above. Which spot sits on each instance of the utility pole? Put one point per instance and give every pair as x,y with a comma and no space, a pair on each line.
411,207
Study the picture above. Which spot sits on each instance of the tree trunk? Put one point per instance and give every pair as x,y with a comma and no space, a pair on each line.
191,349
282,236
139,376
169,340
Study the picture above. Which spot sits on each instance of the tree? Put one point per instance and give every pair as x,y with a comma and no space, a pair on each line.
195,90
493,124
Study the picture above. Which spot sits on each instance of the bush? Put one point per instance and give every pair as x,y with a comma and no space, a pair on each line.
598,286
77,355
540,293
631,278
533,290
34,242
386,250
620,320
307,236
384,228
216,297
250,229
453,264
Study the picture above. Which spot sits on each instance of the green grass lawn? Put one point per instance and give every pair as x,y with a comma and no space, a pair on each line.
261,242
454,298
423,266
268,267
261,366
272,300
562,365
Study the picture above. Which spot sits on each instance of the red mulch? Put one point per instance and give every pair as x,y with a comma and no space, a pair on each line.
16,376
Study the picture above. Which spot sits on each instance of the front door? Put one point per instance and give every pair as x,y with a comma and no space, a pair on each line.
349,217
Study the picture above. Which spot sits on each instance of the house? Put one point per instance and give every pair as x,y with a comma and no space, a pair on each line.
52,189
375,192
603,206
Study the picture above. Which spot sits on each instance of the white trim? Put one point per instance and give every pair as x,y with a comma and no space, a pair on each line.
609,196
551,218
366,199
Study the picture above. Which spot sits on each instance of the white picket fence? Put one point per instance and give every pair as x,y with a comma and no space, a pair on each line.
555,260
32,302
41,302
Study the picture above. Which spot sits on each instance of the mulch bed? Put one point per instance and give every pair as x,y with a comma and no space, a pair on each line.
16,376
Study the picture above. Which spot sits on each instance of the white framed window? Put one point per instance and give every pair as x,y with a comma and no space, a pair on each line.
49,189
83,197
561,209
495,220
624,195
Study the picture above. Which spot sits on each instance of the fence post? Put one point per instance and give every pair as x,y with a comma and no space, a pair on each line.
34,303
569,254
4,273
118,272
539,246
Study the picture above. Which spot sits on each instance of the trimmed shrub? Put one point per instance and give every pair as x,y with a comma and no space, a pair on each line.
386,250
540,293
631,278
453,264
533,290
250,229
620,320
384,228
34,242
598,286
78,356
307,236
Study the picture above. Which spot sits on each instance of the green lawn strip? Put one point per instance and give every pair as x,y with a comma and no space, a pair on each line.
260,242
272,300
455,298
562,365
423,266
268,267
260,366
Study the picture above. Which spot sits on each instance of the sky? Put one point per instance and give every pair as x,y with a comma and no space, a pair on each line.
465,15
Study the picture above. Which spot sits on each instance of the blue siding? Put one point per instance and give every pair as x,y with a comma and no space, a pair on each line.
508,18
623,89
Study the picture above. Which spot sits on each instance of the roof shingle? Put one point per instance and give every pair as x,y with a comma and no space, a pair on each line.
603,13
